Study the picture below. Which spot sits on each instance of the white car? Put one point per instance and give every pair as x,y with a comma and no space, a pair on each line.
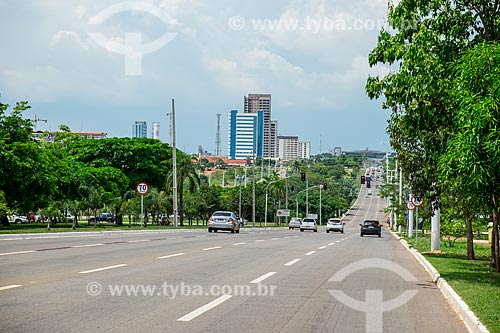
294,223
308,224
335,225
19,218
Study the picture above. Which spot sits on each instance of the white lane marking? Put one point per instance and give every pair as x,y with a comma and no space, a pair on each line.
275,238
337,241
263,277
239,243
190,316
139,241
102,269
88,245
259,240
322,247
171,256
331,244
212,248
309,253
10,287
20,252
290,263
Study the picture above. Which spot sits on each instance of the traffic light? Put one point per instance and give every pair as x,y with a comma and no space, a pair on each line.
325,186
368,184
303,176
363,178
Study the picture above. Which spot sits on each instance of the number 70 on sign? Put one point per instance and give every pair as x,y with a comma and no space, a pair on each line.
142,188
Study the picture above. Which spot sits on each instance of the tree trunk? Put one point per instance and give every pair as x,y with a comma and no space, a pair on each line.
470,237
495,255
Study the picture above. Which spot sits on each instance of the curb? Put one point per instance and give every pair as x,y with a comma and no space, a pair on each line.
470,320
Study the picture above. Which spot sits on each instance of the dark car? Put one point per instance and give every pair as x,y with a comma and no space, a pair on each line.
103,217
371,227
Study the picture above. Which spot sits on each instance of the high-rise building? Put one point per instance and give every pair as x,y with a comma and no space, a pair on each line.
261,102
140,130
273,140
156,131
245,137
304,150
288,147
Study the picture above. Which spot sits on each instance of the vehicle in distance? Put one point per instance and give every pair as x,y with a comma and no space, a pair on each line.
103,217
223,220
371,227
335,225
294,223
308,224
16,218
35,217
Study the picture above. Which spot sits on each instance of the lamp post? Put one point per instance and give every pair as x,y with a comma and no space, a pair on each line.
297,202
240,179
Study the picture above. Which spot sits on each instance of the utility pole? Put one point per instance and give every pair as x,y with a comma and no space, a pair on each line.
320,188
307,197
174,164
37,120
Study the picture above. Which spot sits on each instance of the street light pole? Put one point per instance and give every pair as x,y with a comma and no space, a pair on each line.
320,188
307,198
239,178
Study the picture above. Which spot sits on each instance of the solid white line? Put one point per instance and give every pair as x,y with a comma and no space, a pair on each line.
263,277
89,245
290,263
171,256
190,316
212,248
322,247
102,269
275,238
10,287
20,252
139,241
259,240
239,243
331,244
309,253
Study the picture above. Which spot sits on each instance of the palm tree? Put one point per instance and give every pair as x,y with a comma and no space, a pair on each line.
187,176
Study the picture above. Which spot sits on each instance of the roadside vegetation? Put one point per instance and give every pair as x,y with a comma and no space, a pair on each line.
64,177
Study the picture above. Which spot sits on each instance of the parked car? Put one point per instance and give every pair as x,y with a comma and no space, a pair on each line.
308,224
16,218
335,225
371,227
224,220
294,223
70,217
103,217
35,217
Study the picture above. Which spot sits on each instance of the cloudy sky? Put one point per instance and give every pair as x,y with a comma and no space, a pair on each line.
68,59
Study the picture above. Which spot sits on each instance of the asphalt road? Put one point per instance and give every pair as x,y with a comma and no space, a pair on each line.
191,281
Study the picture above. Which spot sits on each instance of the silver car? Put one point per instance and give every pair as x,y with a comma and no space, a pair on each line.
309,224
222,220
335,225
294,223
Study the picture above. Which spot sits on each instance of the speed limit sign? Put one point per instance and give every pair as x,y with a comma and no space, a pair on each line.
417,201
142,188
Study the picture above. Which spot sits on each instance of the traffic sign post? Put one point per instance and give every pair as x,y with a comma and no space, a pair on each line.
142,189
418,202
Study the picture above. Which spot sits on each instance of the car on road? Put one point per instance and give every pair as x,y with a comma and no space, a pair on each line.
335,225
294,223
35,217
308,224
371,227
103,217
224,220
16,218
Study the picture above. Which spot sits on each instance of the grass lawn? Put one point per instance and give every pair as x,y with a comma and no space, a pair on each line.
83,226
476,282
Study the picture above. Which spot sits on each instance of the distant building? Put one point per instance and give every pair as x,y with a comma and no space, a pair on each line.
140,130
273,140
49,135
337,151
288,147
261,102
304,150
245,137
156,131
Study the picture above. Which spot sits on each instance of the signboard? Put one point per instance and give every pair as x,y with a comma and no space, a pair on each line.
410,205
142,188
283,212
417,201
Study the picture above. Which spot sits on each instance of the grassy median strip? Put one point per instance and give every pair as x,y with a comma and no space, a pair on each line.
473,280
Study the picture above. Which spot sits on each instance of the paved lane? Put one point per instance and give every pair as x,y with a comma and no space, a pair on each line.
257,281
